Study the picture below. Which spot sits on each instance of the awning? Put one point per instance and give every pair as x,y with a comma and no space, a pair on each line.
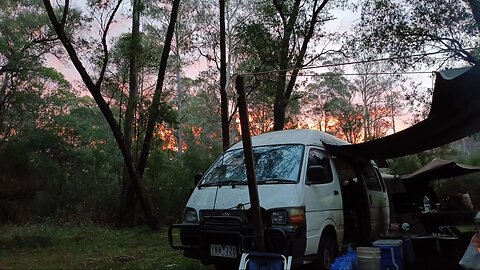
454,114
439,169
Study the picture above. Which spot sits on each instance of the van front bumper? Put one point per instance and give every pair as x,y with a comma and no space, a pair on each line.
197,240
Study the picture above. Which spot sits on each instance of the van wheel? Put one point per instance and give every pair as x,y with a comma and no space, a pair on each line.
327,251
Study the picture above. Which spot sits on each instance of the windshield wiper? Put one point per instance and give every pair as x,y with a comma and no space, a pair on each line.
225,183
276,181
208,184
232,183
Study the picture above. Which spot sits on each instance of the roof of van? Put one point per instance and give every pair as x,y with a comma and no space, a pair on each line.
293,136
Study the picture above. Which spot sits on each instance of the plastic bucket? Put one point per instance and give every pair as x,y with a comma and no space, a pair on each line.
368,258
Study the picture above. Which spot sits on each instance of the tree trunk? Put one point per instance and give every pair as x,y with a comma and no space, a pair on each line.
366,120
3,97
154,108
179,93
94,90
223,79
127,200
284,89
279,107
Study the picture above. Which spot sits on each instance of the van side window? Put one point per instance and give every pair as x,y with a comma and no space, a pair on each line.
371,179
345,171
320,157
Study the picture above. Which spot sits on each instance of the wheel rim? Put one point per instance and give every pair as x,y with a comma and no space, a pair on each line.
326,258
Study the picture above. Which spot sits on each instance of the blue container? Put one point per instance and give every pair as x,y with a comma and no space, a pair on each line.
391,251
342,263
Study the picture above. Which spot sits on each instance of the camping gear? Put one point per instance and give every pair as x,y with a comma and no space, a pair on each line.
447,244
426,204
264,261
424,245
391,253
369,258
347,261
342,263
471,257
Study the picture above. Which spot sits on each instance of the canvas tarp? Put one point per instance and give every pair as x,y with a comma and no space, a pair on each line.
439,169
454,114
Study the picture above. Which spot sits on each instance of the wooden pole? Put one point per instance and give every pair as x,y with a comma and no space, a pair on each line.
248,154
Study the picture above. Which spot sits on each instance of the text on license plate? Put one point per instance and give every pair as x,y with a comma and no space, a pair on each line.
223,251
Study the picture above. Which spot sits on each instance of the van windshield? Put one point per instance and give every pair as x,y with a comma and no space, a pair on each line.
273,164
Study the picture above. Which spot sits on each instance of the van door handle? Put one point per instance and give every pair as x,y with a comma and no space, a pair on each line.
335,192
370,199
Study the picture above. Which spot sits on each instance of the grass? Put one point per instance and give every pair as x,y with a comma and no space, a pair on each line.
88,247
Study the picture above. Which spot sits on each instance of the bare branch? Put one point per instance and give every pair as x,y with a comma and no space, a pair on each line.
104,44
303,50
64,14
450,44
279,8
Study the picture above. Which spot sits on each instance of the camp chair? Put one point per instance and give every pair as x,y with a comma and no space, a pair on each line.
449,230
264,261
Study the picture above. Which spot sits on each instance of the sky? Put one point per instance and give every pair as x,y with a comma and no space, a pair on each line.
343,21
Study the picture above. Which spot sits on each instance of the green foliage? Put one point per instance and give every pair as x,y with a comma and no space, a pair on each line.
29,237
149,56
403,28
414,162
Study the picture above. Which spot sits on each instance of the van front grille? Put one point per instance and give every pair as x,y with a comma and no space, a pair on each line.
221,215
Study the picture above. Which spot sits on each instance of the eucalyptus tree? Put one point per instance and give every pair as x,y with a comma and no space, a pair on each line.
219,45
342,114
131,95
330,101
408,27
192,16
127,199
106,10
285,35
25,41
395,106
378,91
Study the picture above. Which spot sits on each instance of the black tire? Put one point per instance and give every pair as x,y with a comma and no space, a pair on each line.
327,252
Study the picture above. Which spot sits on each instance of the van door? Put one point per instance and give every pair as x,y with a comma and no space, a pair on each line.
377,200
356,212
322,200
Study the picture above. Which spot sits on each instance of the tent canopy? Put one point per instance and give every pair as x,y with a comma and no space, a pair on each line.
439,169
454,114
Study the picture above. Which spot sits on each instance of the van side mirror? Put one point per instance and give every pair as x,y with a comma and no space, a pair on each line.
317,174
197,178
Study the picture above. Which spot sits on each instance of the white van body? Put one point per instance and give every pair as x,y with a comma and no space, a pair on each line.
323,204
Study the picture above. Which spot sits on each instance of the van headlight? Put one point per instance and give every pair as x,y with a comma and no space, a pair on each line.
190,215
279,217
293,216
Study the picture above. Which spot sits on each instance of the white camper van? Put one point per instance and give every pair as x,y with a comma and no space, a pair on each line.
313,202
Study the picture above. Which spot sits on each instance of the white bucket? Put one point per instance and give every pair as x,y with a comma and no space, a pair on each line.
369,258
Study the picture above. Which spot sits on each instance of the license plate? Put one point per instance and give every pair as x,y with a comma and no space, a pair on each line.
223,251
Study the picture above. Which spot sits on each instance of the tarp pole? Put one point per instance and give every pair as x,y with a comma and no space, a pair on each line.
248,154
